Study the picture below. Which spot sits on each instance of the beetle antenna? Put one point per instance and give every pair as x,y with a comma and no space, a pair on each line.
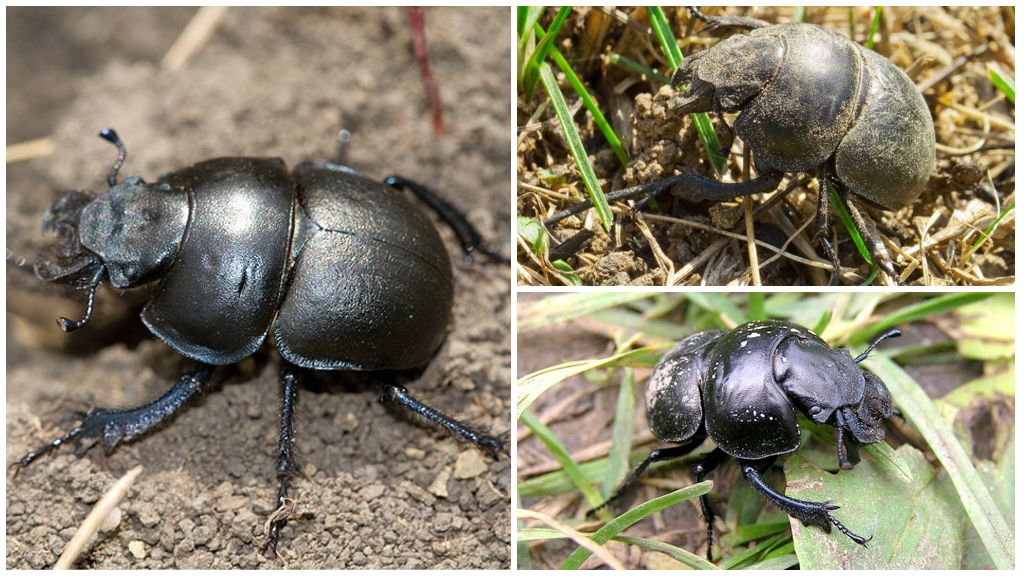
891,333
344,137
69,325
111,136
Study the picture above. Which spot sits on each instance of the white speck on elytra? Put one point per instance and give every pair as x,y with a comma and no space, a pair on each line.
743,344
794,330
754,334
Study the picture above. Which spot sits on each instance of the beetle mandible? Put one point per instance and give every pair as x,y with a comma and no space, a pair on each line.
743,389
347,272
809,100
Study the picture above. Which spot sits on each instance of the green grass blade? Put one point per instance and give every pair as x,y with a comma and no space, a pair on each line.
919,410
572,139
560,454
990,228
875,21
798,14
685,556
749,554
526,17
931,307
628,64
622,433
718,304
532,68
1002,83
599,120
847,220
631,517
706,132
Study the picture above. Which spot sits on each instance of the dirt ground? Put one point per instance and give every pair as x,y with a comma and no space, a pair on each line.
378,490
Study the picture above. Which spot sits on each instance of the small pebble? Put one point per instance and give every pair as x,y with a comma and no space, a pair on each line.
469,465
439,487
137,548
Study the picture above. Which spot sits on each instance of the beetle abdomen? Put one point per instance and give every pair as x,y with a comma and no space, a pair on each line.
216,302
371,284
801,116
674,412
888,155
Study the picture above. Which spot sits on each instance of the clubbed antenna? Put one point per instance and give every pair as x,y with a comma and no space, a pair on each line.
111,136
892,333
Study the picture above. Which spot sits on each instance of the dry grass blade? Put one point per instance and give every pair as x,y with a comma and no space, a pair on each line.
195,35
91,525
38,148
578,537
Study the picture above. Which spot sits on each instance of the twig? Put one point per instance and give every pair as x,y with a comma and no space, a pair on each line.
92,522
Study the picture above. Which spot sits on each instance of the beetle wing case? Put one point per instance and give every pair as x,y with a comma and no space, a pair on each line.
674,412
746,413
216,303
371,284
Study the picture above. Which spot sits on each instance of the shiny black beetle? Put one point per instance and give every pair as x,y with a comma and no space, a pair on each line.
809,100
743,388
348,273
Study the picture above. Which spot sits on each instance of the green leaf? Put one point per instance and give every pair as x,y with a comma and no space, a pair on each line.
530,230
986,335
567,272
923,309
575,144
686,557
920,411
913,525
631,517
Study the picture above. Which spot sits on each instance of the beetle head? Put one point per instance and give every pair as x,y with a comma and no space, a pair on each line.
727,75
126,235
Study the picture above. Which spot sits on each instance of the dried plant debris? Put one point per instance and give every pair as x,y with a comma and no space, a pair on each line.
958,232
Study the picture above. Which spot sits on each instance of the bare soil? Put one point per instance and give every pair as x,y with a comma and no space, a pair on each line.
378,490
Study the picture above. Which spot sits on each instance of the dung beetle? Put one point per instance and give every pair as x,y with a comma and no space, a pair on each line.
743,388
348,273
809,100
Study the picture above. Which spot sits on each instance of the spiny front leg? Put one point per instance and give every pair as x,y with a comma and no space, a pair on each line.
112,426
816,513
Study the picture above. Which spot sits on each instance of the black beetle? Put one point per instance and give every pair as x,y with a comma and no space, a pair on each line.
350,275
743,389
809,100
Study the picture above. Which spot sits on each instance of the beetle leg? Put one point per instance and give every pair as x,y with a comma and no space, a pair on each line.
688,185
701,469
847,457
111,426
401,396
869,231
816,513
656,455
821,227
285,465
468,235
716,23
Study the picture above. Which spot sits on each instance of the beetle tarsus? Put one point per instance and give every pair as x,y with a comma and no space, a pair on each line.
467,234
112,426
400,395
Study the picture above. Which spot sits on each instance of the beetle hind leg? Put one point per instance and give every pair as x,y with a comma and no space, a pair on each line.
700,470
111,426
400,396
285,461
469,236
634,476
809,513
